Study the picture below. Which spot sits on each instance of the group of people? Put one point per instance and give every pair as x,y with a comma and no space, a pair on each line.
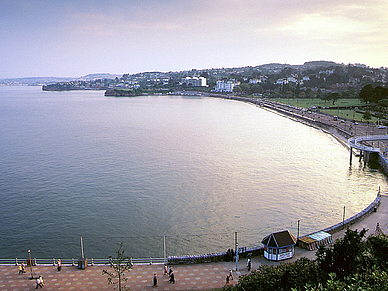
170,274
230,275
39,279
167,271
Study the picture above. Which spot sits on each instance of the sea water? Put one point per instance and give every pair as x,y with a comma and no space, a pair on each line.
187,171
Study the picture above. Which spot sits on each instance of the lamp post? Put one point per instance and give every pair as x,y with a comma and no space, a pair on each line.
235,238
30,261
236,242
343,217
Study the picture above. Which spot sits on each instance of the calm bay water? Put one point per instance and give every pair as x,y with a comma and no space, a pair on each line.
134,170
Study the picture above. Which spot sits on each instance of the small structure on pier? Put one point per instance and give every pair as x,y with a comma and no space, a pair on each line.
314,241
279,245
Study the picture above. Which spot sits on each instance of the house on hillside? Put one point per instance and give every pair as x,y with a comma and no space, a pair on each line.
279,245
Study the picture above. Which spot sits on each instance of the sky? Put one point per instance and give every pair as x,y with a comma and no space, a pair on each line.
73,38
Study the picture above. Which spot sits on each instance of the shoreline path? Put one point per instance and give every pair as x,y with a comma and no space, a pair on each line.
188,277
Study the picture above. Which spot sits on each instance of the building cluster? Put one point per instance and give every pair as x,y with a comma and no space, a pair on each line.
226,86
314,76
194,81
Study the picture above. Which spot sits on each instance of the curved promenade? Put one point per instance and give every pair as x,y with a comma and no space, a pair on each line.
188,277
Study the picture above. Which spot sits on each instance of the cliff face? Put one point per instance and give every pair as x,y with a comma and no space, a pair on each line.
121,93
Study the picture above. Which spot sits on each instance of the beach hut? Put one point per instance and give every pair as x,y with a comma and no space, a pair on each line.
313,241
279,246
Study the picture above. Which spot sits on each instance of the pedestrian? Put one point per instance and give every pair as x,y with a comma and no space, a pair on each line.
231,275
155,280
227,280
169,271
165,270
39,282
21,269
249,265
59,265
172,278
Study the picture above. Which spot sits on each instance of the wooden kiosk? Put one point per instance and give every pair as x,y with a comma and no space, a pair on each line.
279,246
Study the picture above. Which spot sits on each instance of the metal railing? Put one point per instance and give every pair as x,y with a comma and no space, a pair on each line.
73,262
356,142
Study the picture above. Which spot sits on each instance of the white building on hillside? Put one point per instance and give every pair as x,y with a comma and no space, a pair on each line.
226,86
195,81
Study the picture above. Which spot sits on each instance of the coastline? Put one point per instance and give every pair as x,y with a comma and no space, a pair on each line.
201,276
261,105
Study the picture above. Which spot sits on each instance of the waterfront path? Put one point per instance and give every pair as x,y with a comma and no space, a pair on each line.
188,277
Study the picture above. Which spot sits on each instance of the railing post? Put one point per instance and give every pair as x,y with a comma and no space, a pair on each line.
53,261
150,261
72,262
16,262
34,261
92,262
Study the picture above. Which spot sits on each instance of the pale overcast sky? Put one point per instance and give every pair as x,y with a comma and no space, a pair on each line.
71,38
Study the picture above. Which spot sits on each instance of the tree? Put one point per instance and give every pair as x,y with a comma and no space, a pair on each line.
120,265
346,256
237,89
367,115
334,97
245,88
379,93
379,249
257,88
366,93
282,277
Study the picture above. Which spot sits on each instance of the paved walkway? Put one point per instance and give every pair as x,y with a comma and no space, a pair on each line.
188,277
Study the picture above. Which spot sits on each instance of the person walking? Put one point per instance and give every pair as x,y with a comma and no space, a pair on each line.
231,275
39,282
21,269
165,270
169,271
155,280
59,265
172,277
227,280
249,265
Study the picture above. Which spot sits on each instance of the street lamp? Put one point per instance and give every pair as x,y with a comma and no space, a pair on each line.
235,238
30,261
236,242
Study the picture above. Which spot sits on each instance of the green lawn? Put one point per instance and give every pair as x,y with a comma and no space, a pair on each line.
306,103
346,113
